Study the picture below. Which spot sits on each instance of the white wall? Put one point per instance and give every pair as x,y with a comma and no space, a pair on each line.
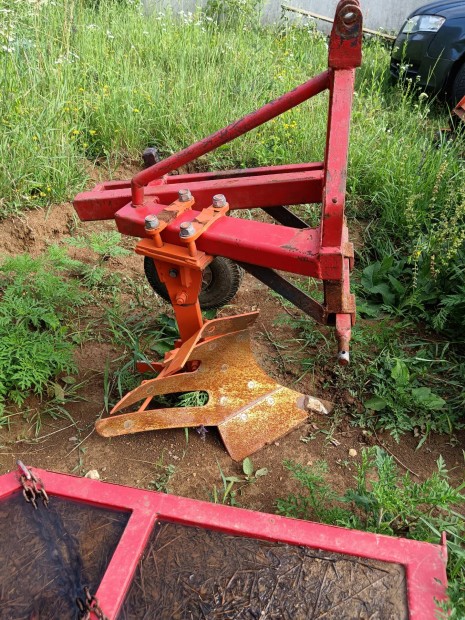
386,14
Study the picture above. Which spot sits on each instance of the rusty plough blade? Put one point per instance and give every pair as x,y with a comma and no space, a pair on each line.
249,408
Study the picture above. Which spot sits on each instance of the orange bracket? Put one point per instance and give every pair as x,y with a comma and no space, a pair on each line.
180,268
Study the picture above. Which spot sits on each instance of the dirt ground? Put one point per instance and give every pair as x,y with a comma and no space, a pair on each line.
135,459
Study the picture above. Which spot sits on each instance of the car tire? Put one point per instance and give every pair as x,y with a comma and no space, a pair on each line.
221,281
458,86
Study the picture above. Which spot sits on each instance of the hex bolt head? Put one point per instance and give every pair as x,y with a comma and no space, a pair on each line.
151,222
184,195
173,273
219,200
186,230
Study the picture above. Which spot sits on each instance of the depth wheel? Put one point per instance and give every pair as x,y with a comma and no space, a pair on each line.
220,282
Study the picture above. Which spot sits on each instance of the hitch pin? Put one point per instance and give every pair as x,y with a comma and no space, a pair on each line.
24,470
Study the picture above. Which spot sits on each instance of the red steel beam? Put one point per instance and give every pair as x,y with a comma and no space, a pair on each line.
268,245
242,192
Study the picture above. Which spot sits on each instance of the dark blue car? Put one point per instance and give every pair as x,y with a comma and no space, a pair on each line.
430,48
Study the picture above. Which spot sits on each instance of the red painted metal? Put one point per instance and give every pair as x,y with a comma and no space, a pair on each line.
424,563
320,252
244,191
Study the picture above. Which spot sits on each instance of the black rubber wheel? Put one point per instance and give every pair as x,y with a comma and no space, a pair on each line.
221,281
458,86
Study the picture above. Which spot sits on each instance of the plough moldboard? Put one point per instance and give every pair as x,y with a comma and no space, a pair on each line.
74,548
191,244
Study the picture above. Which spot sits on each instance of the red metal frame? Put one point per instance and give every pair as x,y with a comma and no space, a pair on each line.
323,252
424,563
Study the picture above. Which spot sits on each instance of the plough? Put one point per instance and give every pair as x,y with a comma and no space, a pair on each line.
194,252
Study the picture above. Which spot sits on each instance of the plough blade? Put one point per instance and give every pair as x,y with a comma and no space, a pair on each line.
249,408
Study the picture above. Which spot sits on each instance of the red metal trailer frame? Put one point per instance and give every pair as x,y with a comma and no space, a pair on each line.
424,563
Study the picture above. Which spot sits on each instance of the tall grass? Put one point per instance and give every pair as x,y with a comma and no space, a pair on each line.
86,83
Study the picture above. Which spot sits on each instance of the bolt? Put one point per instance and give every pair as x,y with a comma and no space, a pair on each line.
173,273
251,385
151,222
181,298
219,201
184,195
186,230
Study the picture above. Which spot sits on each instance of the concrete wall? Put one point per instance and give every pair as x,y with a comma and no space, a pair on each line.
386,14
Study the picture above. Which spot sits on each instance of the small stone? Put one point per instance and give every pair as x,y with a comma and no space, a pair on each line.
352,452
92,474
73,439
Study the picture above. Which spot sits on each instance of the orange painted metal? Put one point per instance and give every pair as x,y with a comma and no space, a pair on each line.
249,408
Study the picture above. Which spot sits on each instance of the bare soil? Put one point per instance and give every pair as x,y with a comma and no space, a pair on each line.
135,459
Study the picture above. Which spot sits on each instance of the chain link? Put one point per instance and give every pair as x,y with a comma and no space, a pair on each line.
89,606
33,487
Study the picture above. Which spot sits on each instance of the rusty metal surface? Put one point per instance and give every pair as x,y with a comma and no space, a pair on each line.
250,408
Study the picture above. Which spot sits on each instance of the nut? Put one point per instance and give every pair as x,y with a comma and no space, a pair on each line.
186,230
152,222
184,195
219,200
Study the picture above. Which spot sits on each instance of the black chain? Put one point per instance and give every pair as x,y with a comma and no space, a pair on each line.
33,490
33,487
89,606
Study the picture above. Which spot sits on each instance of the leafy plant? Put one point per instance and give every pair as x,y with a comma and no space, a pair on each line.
249,471
105,245
226,495
37,304
385,502
163,475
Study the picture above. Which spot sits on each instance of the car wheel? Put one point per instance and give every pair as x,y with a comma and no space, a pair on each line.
458,86
220,282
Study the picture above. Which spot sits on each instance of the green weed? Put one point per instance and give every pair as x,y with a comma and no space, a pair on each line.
163,475
37,305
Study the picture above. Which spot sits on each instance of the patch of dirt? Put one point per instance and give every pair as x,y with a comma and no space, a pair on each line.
142,459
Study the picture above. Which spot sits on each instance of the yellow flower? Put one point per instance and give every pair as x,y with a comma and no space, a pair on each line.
92,132
136,111
85,145
35,138
42,195
81,90
76,132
